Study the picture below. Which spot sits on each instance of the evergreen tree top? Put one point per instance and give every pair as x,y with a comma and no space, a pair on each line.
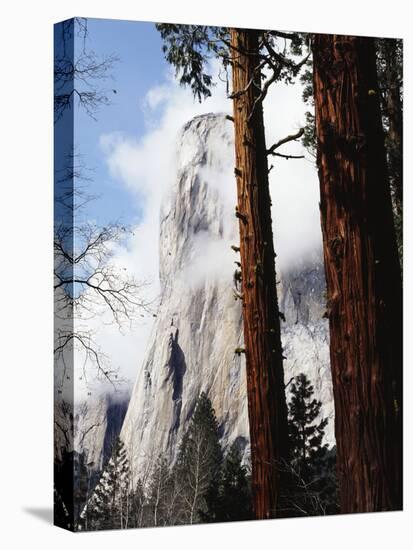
306,433
189,48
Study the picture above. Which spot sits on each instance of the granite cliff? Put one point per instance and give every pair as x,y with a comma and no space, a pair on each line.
199,323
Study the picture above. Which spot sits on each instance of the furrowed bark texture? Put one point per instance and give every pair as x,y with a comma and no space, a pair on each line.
362,272
265,379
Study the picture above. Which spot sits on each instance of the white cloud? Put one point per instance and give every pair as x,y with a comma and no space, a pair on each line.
293,183
147,167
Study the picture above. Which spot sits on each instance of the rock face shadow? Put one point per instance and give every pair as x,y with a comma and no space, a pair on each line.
176,372
44,514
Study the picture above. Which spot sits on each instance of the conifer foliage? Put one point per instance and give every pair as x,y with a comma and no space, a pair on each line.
109,505
231,501
202,485
306,434
312,485
208,483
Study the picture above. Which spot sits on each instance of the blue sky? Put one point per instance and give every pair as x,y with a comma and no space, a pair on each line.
141,66
134,150
130,149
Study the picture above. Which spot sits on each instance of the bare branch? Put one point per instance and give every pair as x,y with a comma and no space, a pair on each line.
287,157
80,78
90,282
67,341
287,139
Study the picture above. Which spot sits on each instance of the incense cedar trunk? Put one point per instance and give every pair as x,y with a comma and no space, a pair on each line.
265,379
362,273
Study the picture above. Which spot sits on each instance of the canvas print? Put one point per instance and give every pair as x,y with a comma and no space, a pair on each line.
228,274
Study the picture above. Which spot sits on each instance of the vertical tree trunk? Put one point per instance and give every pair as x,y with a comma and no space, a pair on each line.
265,379
362,273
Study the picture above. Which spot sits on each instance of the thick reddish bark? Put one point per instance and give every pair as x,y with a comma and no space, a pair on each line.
265,380
362,273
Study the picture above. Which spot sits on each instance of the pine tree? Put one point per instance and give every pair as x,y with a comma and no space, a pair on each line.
306,436
312,487
231,501
198,463
236,487
108,507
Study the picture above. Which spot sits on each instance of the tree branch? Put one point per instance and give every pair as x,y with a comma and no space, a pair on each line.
292,137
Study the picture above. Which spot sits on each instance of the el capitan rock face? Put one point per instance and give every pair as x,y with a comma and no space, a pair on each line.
199,322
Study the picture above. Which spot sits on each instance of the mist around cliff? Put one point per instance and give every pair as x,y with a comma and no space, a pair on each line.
146,167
